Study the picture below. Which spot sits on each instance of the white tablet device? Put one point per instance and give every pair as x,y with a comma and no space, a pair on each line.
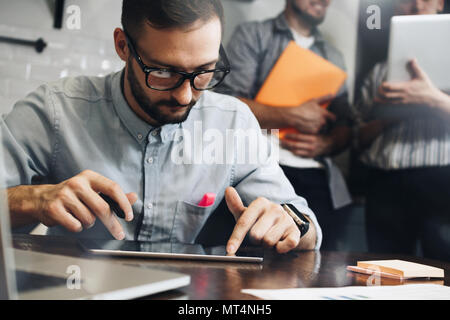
169,250
426,38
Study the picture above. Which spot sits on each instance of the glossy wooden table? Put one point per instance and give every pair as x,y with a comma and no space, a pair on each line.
224,281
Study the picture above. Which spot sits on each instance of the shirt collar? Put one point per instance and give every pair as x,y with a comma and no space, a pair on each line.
139,128
281,25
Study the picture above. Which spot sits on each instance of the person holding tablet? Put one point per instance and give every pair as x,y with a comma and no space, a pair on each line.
127,136
407,198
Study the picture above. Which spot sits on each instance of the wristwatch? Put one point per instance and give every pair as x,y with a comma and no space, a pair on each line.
300,219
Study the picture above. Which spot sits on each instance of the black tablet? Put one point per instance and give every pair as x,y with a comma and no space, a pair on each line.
169,250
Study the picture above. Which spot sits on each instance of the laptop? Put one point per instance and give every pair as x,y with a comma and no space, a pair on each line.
32,275
424,37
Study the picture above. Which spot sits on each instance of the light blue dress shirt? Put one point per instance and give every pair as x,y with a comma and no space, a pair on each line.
83,123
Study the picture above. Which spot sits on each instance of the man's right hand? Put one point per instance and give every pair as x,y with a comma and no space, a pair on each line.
74,204
310,117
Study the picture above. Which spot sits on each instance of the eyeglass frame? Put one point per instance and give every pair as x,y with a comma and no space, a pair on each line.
185,75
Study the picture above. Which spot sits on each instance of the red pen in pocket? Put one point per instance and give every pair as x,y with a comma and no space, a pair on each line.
207,200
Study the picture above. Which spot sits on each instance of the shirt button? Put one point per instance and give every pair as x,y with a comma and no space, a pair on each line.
155,133
149,206
140,136
150,160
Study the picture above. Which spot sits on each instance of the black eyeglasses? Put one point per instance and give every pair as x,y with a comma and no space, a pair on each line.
166,79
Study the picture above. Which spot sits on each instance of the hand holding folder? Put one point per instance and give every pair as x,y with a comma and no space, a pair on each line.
300,76
310,117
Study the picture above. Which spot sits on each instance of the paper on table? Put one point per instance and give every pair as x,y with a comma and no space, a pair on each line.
403,292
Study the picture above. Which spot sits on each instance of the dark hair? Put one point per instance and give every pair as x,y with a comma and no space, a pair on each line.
165,14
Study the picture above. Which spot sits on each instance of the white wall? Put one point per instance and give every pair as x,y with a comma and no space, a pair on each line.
88,51
341,29
97,16
237,11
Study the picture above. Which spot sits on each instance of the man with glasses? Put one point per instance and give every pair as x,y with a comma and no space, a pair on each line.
71,140
254,49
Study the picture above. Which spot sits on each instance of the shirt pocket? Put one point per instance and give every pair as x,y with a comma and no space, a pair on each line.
188,221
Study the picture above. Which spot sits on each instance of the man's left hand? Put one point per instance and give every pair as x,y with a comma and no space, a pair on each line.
266,222
307,145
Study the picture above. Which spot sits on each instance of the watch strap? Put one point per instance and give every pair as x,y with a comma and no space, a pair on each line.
300,219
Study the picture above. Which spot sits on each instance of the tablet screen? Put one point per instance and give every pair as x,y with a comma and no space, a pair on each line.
169,250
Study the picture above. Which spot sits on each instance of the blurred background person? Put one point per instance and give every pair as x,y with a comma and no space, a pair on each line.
407,195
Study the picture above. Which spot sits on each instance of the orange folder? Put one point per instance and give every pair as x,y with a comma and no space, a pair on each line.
299,76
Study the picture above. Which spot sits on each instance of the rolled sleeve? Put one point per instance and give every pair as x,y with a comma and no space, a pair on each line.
368,92
27,139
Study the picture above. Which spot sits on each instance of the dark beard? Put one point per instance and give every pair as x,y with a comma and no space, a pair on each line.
152,109
313,21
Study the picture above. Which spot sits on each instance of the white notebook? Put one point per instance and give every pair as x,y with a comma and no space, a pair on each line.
403,292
